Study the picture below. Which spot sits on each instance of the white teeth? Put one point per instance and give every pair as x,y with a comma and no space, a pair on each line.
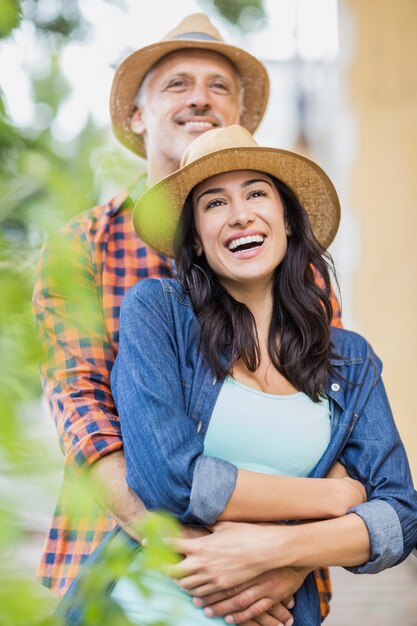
207,124
232,245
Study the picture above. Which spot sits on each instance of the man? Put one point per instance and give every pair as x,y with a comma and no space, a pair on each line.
163,96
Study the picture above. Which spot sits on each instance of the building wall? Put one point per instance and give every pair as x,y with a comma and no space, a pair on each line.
382,83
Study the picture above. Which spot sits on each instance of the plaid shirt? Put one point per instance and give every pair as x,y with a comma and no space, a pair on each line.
107,258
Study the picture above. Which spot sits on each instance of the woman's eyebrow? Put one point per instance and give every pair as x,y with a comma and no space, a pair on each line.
246,183
210,191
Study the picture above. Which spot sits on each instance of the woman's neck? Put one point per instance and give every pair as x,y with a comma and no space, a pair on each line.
259,300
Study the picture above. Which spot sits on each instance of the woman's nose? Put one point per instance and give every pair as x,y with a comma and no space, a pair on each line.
240,213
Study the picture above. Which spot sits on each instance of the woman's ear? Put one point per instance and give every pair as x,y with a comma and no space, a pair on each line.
198,247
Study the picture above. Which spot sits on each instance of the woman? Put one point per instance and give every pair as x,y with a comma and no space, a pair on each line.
232,389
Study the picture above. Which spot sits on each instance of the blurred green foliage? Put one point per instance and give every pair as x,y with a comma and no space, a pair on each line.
10,16
38,195
246,14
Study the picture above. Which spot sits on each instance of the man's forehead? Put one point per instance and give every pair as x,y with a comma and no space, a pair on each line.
190,60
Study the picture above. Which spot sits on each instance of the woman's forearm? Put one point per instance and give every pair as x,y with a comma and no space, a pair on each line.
235,552
262,498
343,541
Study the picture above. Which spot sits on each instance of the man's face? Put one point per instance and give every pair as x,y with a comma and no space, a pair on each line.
185,94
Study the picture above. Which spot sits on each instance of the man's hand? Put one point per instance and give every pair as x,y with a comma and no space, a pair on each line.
268,595
276,616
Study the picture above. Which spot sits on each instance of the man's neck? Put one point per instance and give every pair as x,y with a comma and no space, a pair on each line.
159,169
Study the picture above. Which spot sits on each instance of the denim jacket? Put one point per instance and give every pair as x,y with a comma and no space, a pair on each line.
165,394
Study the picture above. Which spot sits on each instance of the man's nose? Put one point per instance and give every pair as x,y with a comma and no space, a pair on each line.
199,97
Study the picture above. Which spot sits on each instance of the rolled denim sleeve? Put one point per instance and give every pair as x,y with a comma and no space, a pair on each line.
164,453
376,457
385,535
214,480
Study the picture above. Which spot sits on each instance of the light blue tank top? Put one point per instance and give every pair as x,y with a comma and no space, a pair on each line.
257,431
266,433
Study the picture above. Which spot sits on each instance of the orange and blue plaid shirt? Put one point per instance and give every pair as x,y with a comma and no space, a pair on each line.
107,258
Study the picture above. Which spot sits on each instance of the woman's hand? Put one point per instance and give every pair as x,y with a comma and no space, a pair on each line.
356,492
338,470
353,491
232,554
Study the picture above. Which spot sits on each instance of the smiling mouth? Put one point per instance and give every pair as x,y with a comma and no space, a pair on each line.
243,244
200,124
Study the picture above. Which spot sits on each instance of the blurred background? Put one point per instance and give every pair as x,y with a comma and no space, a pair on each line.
344,92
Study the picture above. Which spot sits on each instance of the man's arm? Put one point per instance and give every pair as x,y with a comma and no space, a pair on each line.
76,364
112,493
77,354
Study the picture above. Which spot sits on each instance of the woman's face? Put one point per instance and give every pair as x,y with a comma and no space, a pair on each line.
240,223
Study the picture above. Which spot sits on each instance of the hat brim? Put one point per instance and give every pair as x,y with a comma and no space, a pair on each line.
131,72
157,212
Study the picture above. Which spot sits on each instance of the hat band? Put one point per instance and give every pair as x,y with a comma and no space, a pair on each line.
201,36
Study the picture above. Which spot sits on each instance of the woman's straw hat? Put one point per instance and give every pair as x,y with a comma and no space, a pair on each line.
194,32
227,149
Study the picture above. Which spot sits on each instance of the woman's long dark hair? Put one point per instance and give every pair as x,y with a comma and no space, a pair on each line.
299,343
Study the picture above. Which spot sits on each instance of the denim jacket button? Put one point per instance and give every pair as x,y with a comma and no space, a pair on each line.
199,425
214,381
335,387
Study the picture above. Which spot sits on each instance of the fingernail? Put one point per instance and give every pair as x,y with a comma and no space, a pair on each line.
290,622
208,612
291,604
229,619
198,602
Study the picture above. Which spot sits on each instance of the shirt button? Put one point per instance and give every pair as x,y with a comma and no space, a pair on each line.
335,387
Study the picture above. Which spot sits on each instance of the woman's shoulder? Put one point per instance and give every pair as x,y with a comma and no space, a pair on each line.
156,291
351,347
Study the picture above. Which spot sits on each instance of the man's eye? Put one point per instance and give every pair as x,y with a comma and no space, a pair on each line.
176,84
219,86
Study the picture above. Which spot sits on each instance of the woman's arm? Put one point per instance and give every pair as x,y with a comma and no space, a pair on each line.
234,551
163,449
375,456
382,532
265,498
166,466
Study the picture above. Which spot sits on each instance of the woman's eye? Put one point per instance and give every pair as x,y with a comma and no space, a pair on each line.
256,193
214,203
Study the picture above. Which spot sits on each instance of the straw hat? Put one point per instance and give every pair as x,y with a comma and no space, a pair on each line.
227,149
195,31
